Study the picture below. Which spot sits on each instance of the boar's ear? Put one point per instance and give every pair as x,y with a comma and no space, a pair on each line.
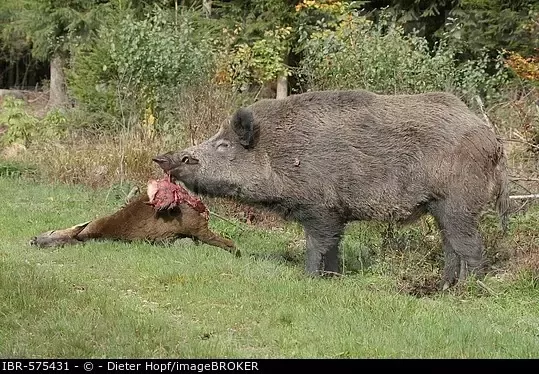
244,126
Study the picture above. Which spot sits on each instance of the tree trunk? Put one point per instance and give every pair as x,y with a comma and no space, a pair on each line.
10,76
57,94
282,87
282,81
206,4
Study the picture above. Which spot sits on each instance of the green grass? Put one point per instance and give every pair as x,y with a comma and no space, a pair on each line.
106,299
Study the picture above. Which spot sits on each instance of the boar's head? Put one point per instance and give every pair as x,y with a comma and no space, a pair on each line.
225,165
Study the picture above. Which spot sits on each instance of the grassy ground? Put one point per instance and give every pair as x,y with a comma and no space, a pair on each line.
106,299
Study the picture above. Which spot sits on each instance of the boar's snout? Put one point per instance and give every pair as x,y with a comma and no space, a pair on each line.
169,161
164,161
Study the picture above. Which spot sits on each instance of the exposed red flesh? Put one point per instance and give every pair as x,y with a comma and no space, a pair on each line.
164,194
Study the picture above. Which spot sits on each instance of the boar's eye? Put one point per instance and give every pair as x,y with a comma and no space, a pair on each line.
223,145
189,160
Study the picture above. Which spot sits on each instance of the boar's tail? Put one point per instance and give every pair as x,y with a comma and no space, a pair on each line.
502,193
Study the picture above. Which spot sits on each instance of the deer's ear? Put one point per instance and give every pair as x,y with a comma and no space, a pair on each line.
75,230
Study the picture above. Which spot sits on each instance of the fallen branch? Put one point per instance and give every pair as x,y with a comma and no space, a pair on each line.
486,288
520,197
528,191
225,219
525,179
487,120
521,142
521,139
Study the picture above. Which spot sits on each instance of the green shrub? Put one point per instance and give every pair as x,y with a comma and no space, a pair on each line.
21,126
10,169
54,125
381,57
135,66
261,61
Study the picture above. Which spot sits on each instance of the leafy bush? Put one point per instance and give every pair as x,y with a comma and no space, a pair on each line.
136,66
258,62
157,51
381,57
21,127
54,125
88,77
525,68
497,25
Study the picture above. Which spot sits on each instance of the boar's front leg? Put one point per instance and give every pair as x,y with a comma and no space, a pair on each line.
323,236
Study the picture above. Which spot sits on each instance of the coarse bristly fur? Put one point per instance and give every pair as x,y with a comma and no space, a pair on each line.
330,157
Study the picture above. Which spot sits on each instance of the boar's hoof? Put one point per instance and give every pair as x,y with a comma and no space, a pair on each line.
323,274
446,286
330,274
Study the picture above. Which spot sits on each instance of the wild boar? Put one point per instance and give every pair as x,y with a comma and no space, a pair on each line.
327,158
138,220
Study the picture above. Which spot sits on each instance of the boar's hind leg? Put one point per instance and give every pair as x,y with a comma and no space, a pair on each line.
452,264
462,242
322,240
